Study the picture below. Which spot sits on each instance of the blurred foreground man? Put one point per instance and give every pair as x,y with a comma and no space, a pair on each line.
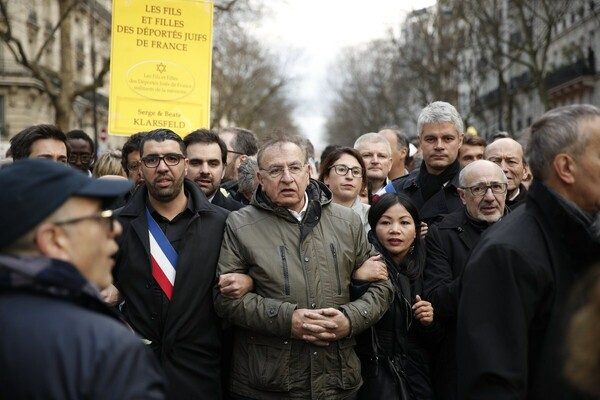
295,333
449,242
57,337
516,287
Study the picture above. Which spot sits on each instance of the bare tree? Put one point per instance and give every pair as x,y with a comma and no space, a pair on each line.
58,84
367,92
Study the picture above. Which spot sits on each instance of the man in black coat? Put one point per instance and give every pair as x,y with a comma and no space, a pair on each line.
508,154
483,188
433,187
207,155
516,286
58,339
166,268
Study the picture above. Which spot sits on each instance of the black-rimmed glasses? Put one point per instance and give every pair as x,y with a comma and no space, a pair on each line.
342,170
106,215
480,190
235,152
171,159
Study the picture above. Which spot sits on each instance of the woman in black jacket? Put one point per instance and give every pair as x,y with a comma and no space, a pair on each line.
394,354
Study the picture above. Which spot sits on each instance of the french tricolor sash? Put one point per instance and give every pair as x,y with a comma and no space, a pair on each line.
163,257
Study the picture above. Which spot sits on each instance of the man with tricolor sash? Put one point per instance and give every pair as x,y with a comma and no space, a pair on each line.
166,267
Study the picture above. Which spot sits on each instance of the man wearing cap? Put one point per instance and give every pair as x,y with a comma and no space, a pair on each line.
166,268
57,338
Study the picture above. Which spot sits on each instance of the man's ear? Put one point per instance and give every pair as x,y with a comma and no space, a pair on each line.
461,193
259,177
564,165
240,160
51,242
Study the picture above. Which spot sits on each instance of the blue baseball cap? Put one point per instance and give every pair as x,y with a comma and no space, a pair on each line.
32,189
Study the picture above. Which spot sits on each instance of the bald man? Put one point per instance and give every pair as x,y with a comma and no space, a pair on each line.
508,154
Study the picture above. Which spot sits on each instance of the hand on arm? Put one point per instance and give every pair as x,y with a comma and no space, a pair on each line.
372,270
111,295
235,285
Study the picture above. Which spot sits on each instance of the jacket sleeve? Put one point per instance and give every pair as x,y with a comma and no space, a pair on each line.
439,284
499,295
251,311
367,309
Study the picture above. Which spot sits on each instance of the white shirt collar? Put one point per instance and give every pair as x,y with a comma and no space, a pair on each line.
300,215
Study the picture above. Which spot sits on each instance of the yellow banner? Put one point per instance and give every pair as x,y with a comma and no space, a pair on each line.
160,65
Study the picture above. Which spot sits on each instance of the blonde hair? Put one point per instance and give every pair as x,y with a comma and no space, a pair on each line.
109,164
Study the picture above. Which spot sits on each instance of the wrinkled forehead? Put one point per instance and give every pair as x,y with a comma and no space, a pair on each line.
281,154
485,174
504,148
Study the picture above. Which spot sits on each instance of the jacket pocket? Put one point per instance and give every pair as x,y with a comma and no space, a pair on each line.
345,366
269,363
337,268
286,273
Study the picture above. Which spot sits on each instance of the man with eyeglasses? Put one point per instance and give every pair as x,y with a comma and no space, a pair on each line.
166,268
58,339
241,143
82,151
295,333
131,159
449,242
40,141
518,286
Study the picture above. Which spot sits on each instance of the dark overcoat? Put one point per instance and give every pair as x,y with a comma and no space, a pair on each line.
185,336
513,307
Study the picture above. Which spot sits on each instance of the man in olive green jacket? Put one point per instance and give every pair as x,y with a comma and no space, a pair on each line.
295,330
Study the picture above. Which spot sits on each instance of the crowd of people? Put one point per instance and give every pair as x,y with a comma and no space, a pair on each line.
210,266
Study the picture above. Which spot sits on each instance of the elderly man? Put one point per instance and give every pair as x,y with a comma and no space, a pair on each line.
483,192
377,155
58,339
400,149
207,155
295,332
166,266
515,291
508,154
40,141
433,187
471,150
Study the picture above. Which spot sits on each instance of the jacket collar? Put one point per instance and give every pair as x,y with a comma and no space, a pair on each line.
43,274
412,179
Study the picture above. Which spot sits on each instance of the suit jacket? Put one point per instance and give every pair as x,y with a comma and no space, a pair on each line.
186,336
226,202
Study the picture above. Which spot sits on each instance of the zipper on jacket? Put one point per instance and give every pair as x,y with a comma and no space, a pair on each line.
286,277
337,268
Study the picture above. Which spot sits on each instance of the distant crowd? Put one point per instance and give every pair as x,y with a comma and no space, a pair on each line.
212,266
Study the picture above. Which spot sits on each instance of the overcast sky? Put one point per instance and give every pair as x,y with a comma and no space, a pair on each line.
313,32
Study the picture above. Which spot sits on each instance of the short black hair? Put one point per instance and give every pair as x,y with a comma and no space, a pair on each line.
161,135
79,134
207,136
20,144
132,144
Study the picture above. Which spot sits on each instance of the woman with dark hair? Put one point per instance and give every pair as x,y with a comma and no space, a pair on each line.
394,352
344,173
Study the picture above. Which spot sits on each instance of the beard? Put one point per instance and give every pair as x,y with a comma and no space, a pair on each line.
165,195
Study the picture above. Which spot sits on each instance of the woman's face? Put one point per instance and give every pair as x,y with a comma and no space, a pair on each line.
344,188
396,231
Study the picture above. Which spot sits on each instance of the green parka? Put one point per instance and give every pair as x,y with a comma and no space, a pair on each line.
306,264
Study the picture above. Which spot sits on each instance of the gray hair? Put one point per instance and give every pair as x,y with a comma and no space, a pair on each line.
439,112
372,137
247,181
401,138
557,131
474,166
